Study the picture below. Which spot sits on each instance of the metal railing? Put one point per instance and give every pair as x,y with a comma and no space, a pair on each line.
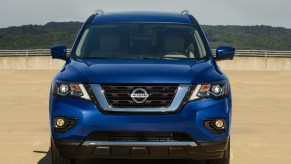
246,53
262,53
31,52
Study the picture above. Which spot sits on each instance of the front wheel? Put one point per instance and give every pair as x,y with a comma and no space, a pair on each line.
224,160
57,159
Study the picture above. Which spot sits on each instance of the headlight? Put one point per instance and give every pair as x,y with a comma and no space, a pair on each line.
212,90
65,89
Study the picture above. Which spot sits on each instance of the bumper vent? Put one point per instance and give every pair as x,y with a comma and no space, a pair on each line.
120,96
140,136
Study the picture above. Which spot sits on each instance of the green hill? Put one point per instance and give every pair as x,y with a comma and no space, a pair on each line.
241,37
250,37
37,36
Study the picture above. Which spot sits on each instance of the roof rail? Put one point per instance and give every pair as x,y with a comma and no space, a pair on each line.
98,11
185,12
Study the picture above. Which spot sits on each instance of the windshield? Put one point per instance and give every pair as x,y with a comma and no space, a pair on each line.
141,40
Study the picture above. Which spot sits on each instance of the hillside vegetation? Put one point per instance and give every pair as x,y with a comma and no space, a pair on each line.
53,33
38,37
250,37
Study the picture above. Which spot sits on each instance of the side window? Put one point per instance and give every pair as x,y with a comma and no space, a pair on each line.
200,45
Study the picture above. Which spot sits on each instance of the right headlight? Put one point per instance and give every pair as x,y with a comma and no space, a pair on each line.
65,89
211,90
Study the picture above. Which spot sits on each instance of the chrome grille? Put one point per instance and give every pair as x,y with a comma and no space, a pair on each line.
160,96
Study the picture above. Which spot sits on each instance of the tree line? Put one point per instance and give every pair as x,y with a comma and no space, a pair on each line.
64,33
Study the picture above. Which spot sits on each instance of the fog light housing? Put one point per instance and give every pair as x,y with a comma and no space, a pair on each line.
216,125
64,124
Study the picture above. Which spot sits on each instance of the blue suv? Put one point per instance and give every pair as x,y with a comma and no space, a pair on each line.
141,85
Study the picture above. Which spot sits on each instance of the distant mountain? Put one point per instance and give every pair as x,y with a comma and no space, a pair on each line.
241,37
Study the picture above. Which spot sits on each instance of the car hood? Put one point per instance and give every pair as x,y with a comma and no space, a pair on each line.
141,71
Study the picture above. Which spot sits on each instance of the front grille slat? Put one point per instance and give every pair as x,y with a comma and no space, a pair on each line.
159,96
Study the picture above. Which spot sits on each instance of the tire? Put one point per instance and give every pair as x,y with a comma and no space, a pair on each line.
224,160
57,159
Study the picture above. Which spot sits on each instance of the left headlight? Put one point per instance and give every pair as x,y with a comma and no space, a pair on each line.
214,90
65,89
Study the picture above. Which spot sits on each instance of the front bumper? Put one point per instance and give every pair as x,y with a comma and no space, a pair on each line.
200,150
189,120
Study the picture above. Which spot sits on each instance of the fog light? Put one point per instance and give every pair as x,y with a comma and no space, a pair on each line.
216,125
60,122
219,123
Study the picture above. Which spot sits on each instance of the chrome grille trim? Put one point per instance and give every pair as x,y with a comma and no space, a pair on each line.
154,96
113,143
100,96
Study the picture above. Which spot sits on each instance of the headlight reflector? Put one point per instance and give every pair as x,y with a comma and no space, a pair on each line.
216,89
63,89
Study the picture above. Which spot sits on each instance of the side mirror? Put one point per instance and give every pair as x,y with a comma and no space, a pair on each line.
224,53
59,52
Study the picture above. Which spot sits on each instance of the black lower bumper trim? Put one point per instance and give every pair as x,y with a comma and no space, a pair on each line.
204,150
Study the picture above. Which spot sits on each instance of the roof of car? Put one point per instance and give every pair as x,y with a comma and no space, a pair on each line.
141,17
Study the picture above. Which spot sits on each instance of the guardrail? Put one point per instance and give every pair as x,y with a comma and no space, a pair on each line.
30,52
247,53
262,53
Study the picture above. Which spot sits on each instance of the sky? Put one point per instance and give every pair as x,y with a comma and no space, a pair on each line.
207,12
